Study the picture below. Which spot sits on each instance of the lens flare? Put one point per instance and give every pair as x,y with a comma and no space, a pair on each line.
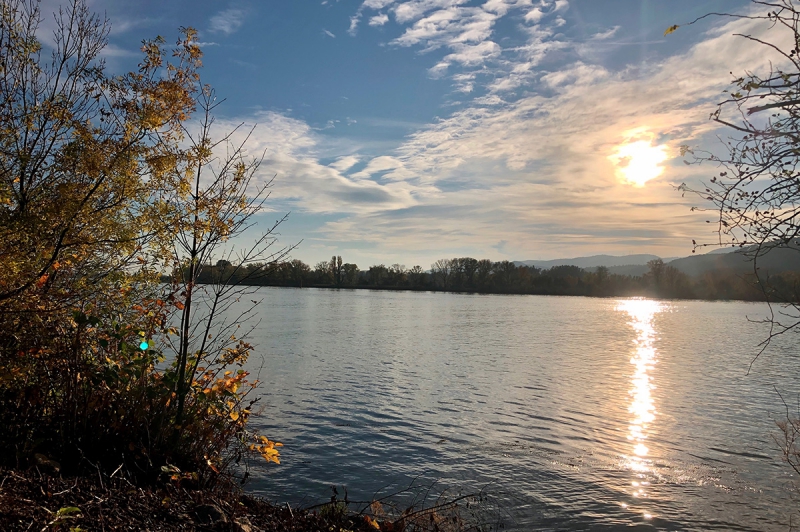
144,345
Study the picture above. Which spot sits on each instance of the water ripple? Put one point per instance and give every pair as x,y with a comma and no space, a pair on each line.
575,413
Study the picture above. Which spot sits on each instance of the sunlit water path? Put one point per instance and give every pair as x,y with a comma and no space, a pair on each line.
574,413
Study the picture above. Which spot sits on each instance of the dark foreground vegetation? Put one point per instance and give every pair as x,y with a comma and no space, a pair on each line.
484,276
97,187
35,500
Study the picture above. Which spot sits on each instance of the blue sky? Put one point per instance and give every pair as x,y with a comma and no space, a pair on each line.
403,131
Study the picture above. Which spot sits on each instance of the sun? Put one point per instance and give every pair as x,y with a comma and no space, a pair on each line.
638,162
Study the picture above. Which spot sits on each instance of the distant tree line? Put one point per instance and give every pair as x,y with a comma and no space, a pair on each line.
467,274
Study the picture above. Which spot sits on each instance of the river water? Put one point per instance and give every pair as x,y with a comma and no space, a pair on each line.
569,413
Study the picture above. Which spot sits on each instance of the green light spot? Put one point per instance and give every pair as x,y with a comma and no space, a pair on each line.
143,346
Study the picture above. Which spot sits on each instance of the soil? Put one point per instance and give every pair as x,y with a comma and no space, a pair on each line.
34,500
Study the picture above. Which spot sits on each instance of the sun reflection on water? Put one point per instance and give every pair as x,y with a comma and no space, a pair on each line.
642,409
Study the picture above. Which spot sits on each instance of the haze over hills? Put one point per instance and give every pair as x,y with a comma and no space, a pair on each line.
778,260
591,262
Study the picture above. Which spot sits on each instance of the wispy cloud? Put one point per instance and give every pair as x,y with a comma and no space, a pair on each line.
114,51
343,164
244,64
328,33
533,169
354,20
291,152
465,30
373,5
228,21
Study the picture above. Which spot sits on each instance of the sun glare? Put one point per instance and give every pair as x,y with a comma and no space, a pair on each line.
638,162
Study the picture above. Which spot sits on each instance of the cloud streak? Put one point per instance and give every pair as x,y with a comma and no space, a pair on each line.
291,152
534,169
228,21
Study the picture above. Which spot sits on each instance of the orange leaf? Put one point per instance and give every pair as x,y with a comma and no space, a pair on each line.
42,280
179,305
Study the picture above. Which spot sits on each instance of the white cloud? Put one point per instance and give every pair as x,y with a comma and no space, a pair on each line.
411,10
227,22
603,35
328,33
379,20
533,169
466,31
378,165
354,24
465,83
449,27
374,21
377,4
534,15
343,164
291,151
114,51
472,55
576,74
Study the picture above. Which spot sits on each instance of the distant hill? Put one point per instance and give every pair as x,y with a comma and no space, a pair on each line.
591,262
634,270
719,251
736,260
739,261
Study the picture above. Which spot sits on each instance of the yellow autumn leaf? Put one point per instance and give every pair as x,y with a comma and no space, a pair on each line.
234,415
671,29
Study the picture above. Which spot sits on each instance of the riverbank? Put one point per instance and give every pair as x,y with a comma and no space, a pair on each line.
730,276
33,500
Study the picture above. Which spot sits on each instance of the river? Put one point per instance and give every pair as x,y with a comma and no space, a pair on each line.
568,412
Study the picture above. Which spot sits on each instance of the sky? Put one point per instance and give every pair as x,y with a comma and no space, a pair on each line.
405,131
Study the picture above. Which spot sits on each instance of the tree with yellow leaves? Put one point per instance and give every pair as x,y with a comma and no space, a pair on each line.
98,190
217,197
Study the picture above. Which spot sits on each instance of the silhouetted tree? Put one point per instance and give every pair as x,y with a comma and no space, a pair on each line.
441,273
322,272
655,274
336,269
377,275
397,275
350,274
484,274
416,276
299,271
